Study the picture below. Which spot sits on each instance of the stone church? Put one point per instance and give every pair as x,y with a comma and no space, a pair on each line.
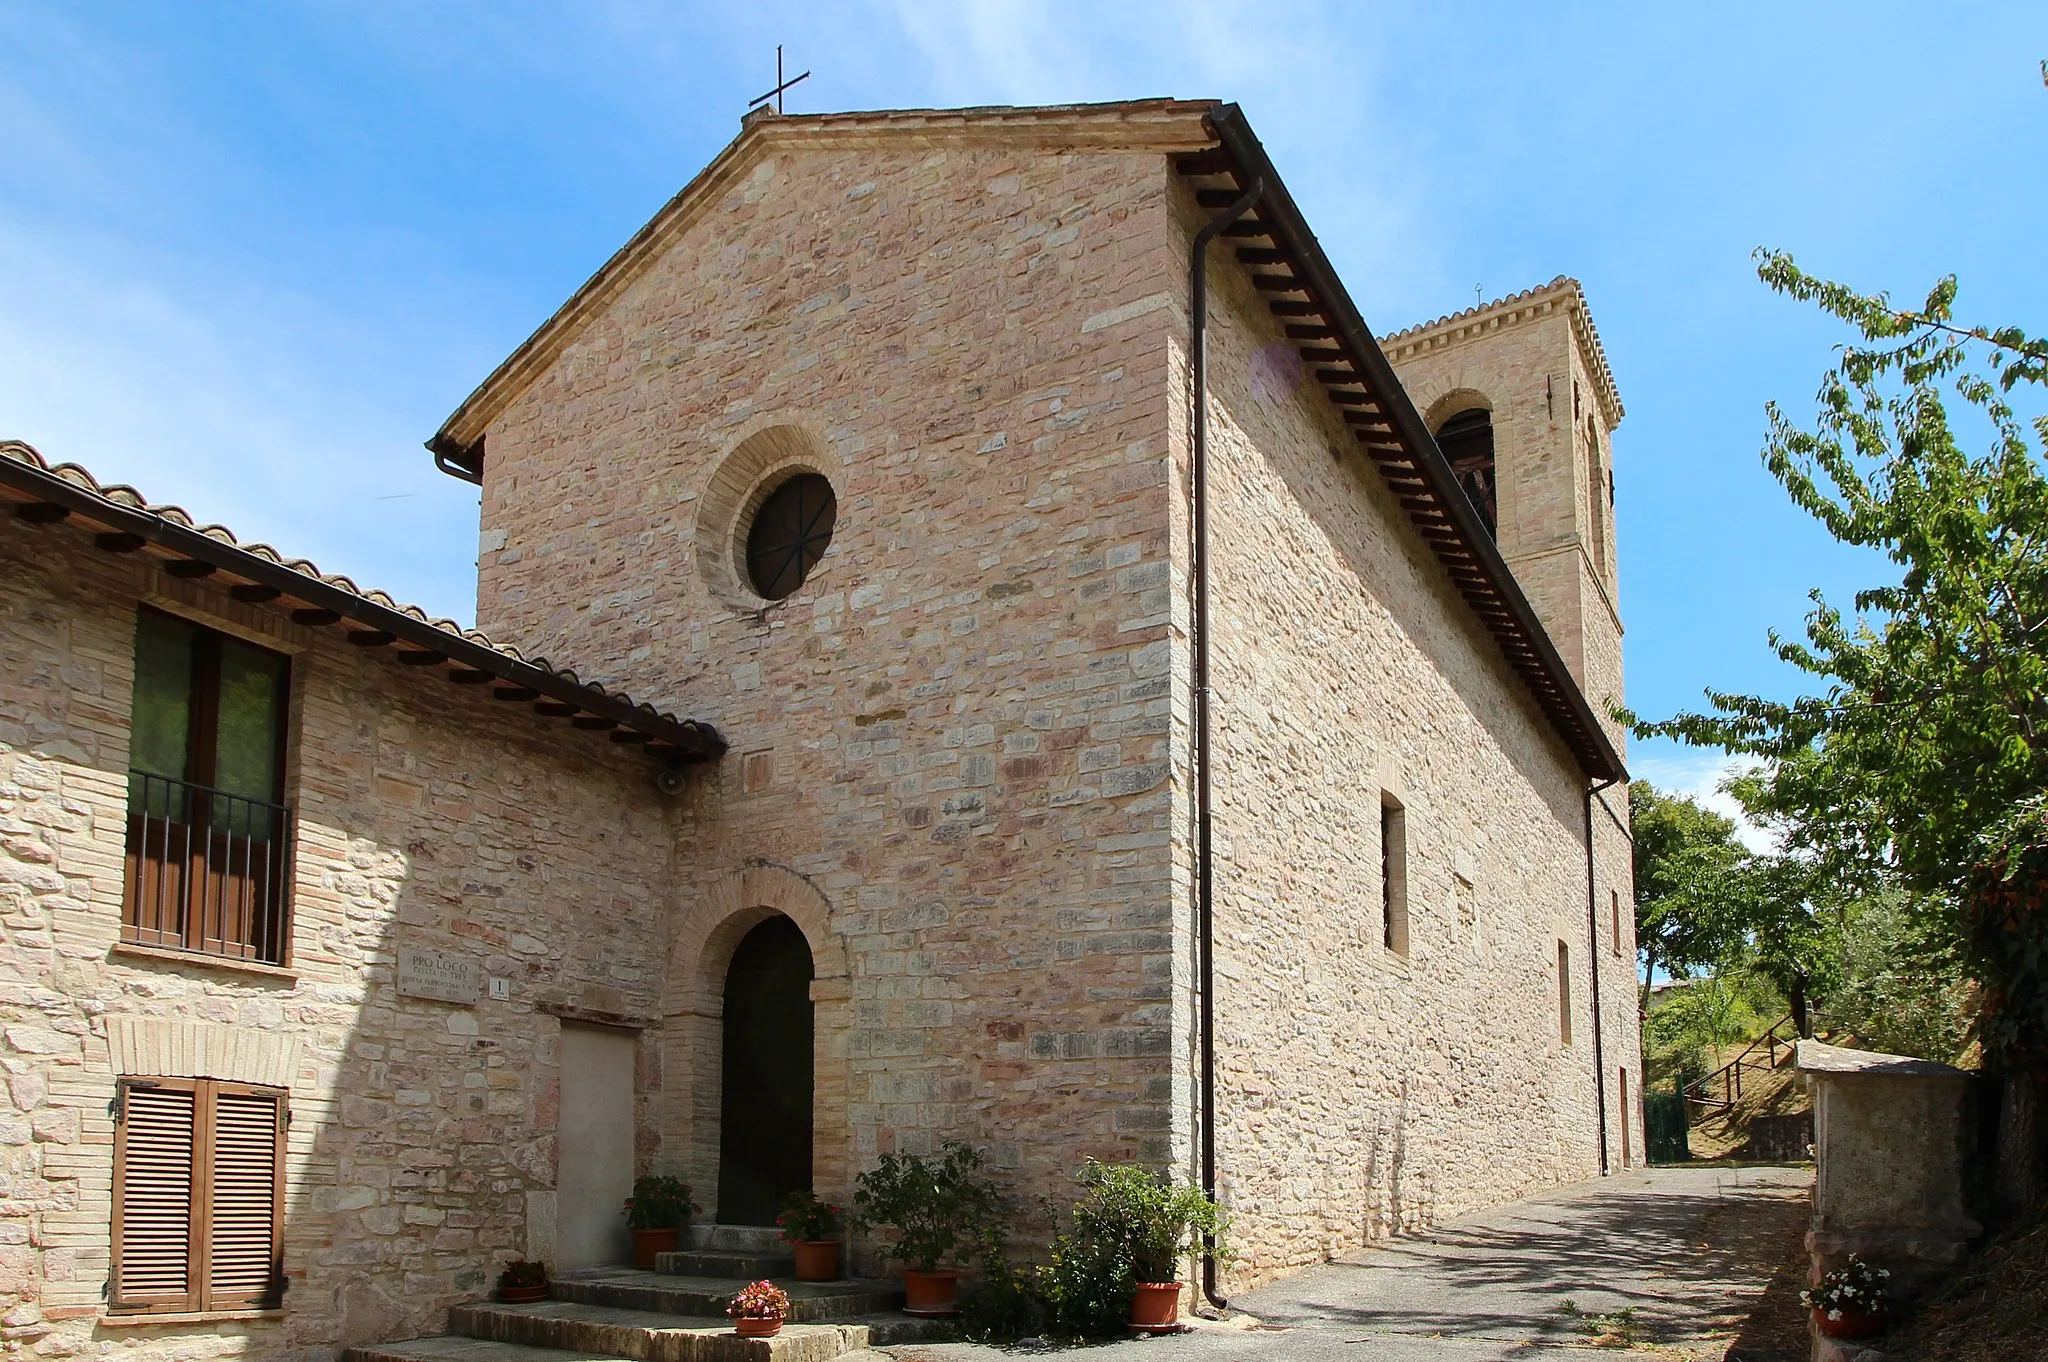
976,638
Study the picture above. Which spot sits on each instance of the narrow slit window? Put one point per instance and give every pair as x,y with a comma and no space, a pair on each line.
1393,875
1564,993
1614,910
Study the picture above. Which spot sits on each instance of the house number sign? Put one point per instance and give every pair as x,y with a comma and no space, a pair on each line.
442,976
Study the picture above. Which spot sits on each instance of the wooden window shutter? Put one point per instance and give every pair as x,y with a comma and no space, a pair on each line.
156,1144
198,1196
244,1209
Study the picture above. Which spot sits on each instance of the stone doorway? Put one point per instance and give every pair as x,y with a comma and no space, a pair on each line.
764,1148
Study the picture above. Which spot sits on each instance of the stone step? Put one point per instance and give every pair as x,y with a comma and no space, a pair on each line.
570,1331
734,1238
629,1288
455,1348
727,1263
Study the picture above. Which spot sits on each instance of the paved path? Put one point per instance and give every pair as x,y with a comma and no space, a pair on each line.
1689,1249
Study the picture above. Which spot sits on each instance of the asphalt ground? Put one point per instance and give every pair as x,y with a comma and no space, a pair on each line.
1668,1263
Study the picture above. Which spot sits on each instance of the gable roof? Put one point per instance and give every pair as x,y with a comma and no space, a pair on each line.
123,522
1161,125
1208,142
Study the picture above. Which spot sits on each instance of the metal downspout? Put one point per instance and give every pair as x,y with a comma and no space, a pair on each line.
1593,965
1198,279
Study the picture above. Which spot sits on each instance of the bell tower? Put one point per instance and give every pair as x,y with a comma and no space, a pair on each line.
1523,405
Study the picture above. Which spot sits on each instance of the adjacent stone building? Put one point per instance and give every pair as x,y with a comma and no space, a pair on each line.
875,457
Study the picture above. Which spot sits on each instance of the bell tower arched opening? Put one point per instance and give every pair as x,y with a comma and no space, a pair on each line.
1467,443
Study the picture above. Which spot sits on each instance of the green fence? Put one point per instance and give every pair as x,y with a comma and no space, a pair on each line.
1665,1127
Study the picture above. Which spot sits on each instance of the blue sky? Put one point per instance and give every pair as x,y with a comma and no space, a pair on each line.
250,255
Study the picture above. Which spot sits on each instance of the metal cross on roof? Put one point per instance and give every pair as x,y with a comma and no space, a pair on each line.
780,84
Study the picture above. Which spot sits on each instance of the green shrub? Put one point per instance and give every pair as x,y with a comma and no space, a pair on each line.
661,1201
1006,1302
1130,1225
931,1203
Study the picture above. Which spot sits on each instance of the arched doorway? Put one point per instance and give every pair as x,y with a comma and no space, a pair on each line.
764,1145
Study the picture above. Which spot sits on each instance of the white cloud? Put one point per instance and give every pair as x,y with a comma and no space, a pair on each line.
1698,774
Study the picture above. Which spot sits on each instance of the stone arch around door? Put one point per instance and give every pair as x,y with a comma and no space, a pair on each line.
707,930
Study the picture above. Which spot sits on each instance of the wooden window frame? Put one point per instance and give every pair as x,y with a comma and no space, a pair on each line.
200,1295
197,889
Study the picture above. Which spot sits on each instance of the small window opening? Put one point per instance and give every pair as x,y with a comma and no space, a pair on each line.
1614,910
1467,443
1564,993
789,535
1393,875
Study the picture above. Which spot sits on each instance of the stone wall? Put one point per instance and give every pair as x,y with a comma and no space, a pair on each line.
960,749
951,745
1368,1090
422,1142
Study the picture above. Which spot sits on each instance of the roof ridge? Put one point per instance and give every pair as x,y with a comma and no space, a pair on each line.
1155,124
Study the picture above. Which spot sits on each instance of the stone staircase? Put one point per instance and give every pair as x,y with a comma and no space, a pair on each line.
675,1313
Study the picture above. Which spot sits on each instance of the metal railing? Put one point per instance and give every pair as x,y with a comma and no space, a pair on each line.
207,870
1766,1053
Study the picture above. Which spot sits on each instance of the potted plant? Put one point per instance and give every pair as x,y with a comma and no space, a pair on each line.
758,1310
1144,1220
811,1229
931,1203
656,1213
523,1281
1851,1301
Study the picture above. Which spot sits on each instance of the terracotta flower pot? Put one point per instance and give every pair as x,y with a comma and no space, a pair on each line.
931,1293
1852,1324
1155,1306
647,1243
817,1260
757,1328
520,1295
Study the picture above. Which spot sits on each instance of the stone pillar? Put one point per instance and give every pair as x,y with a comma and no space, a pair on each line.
1890,1141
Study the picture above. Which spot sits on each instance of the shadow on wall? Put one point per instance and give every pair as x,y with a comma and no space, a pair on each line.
437,1160
1391,568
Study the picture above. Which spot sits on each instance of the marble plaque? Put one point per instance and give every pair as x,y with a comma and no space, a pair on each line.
443,976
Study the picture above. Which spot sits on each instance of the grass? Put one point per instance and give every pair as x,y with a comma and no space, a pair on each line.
1613,1329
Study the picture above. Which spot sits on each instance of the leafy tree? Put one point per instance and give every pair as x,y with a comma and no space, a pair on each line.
1902,989
1926,734
1684,858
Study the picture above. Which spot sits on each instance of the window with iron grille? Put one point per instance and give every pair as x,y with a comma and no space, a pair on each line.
198,1196
208,832
790,532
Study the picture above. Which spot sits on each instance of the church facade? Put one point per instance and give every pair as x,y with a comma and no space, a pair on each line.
897,567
